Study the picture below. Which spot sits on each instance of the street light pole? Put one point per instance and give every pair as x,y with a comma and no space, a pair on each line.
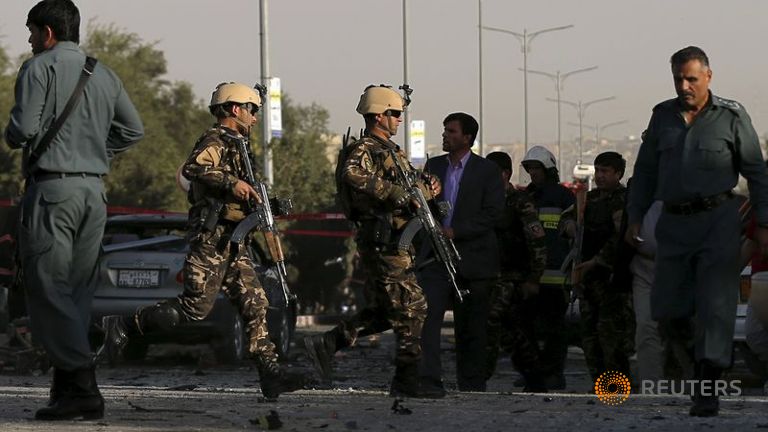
525,40
599,129
266,127
480,67
406,112
581,107
559,80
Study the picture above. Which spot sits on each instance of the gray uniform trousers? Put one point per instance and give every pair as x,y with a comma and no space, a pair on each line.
697,280
60,231
648,344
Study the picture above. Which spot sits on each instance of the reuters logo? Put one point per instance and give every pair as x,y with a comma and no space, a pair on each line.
612,388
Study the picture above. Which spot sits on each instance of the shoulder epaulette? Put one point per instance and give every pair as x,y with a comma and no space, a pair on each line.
732,105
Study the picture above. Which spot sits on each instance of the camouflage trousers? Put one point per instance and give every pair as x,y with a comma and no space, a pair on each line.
607,328
212,266
506,329
395,301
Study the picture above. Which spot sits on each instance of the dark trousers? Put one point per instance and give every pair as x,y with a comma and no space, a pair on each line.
62,223
470,327
544,316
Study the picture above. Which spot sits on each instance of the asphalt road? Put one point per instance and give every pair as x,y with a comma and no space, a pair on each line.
182,389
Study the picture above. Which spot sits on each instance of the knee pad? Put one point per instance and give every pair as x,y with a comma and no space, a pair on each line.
161,316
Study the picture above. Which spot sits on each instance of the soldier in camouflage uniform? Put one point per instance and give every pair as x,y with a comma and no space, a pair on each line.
218,195
380,208
523,257
607,323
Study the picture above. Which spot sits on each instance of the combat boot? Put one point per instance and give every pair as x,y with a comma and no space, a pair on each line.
77,398
116,334
534,382
321,349
274,380
406,383
705,405
59,384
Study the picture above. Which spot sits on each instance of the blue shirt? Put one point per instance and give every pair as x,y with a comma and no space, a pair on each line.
451,188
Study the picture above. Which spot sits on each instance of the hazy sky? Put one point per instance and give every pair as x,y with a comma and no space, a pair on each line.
328,51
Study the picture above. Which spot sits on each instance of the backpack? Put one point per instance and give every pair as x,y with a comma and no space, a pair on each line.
343,192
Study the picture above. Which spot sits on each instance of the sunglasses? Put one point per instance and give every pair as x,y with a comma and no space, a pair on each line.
395,114
253,108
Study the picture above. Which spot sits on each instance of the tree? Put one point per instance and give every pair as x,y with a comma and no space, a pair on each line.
145,176
302,170
10,161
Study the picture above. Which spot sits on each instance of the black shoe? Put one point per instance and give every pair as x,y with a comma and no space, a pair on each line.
705,406
534,382
431,389
406,383
115,338
320,349
275,381
555,381
79,398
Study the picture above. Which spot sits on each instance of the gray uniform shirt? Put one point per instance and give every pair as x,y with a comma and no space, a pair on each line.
679,162
103,123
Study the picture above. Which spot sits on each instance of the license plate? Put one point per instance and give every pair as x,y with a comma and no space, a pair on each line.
138,278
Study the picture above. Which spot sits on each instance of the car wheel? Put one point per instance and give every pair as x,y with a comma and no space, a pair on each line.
230,347
283,329
135,350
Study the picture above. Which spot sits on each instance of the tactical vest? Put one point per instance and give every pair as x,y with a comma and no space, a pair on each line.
598,220
358,206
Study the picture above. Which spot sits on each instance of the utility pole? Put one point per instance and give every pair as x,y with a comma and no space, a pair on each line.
266,127
407,111
480,67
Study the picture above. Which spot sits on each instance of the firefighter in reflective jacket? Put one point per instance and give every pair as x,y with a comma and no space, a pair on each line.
547,316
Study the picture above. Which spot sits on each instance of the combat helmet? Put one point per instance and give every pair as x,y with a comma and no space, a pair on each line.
379,99
232,92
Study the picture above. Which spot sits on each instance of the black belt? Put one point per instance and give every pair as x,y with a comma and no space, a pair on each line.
41,176
697,205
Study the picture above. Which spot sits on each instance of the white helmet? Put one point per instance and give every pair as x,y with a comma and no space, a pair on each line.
542,155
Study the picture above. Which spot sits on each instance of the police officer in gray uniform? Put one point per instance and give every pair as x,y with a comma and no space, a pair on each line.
63,210
693,151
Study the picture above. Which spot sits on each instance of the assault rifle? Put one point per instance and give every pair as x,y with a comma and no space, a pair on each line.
444,249
261,217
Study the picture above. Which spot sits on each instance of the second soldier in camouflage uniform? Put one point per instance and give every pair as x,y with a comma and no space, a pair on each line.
218,196
523,257
607,322
380,208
